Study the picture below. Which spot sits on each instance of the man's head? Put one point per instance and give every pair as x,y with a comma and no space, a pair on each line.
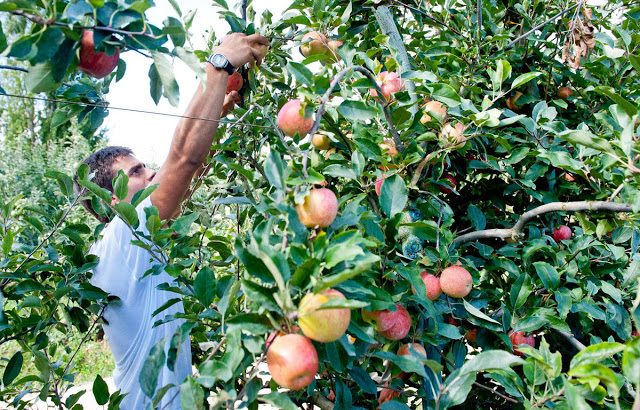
106,163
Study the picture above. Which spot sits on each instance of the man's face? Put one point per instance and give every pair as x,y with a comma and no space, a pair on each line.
139,175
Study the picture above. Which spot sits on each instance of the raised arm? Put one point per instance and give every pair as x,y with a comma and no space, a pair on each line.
192,137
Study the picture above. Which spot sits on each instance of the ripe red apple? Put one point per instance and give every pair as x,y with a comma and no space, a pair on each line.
314,43
435,109
512,102
234,82
453,135
378,184
320,208
412,349
561,233
291,121
564,92
389,82
324,325
456,281
519,338
96,64
394,325
292,361
454,184
432,283
471,335
321,141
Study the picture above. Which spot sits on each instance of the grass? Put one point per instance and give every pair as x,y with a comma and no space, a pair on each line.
93,358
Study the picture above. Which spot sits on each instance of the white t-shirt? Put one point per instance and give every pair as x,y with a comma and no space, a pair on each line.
130,332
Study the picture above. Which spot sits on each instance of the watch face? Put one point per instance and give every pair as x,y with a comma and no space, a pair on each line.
218,60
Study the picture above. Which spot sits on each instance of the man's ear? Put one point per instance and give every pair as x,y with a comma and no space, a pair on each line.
114,200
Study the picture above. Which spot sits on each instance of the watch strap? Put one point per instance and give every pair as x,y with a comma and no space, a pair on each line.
227,66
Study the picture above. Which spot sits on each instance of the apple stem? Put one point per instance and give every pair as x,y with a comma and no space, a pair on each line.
517,229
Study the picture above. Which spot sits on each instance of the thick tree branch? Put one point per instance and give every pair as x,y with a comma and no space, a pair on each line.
516,231
322,402
569,338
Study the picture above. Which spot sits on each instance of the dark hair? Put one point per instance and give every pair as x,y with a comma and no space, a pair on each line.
101,165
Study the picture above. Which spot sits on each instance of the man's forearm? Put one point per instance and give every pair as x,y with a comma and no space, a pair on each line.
193,137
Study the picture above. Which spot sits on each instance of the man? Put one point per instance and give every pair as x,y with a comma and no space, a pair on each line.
120,272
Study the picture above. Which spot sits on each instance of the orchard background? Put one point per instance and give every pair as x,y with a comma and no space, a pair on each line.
527,157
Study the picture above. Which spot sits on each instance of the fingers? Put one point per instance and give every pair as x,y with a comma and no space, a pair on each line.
258,38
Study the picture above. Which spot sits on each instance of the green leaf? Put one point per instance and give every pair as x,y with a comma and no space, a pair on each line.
393,195
478,313
548,275
191,394
631,361
120,185
490,360
356,110
626,105
524,78
363,380
191,60
128,213
166,76
278,400
477,217
300,71
596,353
339,170
100,391
274,168
586,138
575,400
444,93
361,264
39,79
409,364
183,224
204,286
151,368
13,367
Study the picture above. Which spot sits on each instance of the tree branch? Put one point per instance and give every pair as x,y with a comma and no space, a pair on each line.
10,67
516,231
569,338
544,23
322,402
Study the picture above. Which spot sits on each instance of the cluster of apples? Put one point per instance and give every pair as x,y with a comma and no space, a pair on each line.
317,44
291,358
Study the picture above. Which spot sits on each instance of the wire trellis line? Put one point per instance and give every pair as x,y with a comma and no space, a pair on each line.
135,110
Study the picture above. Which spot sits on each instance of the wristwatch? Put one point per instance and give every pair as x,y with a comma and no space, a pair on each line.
220,61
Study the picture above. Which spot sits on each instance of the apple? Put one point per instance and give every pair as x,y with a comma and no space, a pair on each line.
389,82
392,324
561,233
568,177
378,184
453,135
456,281
512,102
314,43
319,208
452,180
388,146
334,45
292,361
414,350
564,92
471,335
432,284
519,338
234,82
291,121
96,64
435,109
324,325
321,141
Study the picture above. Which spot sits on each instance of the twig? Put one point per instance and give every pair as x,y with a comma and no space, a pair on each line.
10,67
528,33
497,393
322,402
428,17
616,192
569,337
516,230
325,98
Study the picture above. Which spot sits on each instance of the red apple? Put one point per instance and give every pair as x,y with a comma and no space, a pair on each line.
454,184
320,208
234,82
96,64
392,324
561,233
378,184
453,135
564,92
334,45
456,281
413,349
435,109
292,361
324,325
321,141
389,82
388,146
432,284
291,121
519,338
471,335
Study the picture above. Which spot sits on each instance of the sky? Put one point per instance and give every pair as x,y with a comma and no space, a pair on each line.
149,136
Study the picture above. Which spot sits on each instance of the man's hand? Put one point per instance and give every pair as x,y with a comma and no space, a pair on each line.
241,49
230,100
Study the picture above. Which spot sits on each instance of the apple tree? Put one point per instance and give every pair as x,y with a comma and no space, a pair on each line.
417,204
